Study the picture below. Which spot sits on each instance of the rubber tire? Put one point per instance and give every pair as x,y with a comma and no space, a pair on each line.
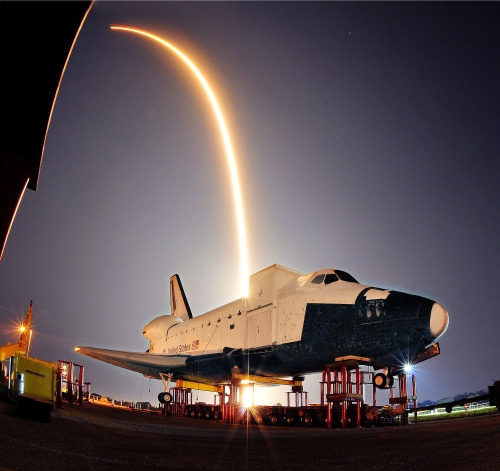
383,378
165,398
308,420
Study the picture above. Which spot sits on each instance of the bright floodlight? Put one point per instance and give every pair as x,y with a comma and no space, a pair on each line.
407,368
229,151
22,328
248,397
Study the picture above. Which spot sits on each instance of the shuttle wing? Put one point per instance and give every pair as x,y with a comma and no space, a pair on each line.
149,364
152,364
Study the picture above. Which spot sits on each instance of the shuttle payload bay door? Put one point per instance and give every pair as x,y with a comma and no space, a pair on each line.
259,327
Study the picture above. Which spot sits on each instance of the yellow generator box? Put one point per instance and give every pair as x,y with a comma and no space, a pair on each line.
35,379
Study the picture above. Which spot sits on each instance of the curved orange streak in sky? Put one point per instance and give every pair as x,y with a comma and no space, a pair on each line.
227,143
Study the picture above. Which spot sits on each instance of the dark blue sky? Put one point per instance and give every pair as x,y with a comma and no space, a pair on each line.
367,139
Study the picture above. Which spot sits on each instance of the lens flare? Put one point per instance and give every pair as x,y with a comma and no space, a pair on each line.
248,397
407,368
227,144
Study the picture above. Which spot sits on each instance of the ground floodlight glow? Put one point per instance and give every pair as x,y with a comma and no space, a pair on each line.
227,144
248,397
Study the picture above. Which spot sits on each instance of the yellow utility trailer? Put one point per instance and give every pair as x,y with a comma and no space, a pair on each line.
31,383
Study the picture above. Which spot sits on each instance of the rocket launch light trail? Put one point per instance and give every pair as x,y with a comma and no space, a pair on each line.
227,143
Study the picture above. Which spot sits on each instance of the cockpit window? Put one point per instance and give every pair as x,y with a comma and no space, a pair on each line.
330,278
318,279
345,276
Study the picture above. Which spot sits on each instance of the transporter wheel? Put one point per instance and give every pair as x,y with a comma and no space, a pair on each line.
165,398
273,420
216,415
308,420
380,381
449,408
259,420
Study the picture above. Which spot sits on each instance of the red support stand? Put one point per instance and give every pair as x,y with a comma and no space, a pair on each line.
343,392
403,394
69,383
80,387
323,377
403,400
223,405
300,399
328,392
181,398
358,404
59,386
233,404
74,389
414,398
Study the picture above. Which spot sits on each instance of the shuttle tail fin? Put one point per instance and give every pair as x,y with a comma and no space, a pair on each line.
178,302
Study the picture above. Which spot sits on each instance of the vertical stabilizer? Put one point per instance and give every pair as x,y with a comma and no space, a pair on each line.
178,302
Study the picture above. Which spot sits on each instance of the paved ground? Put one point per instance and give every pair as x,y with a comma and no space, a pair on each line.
101,438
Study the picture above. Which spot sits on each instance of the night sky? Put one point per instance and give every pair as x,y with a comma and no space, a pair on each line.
367,139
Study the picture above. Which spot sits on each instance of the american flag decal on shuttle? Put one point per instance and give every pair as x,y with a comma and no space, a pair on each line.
195,345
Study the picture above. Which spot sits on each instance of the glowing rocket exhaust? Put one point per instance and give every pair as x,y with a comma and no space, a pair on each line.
229,151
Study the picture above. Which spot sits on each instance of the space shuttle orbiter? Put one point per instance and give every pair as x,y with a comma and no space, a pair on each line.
290,324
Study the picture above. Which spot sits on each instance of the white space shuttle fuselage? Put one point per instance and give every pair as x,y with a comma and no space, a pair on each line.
290,324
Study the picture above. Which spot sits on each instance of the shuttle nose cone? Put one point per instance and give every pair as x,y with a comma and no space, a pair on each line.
439,320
